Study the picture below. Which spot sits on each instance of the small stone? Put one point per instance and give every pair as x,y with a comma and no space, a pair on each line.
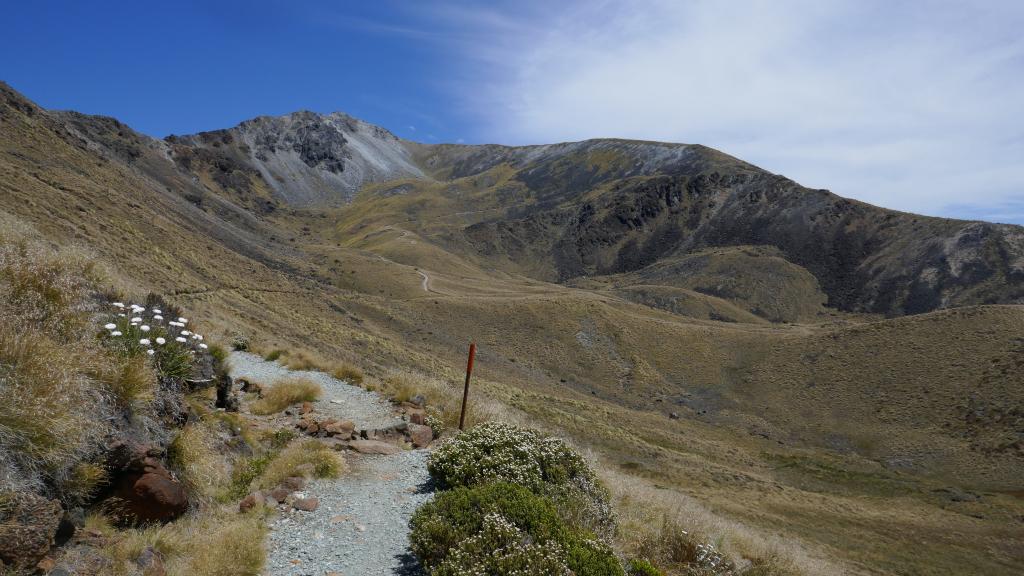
252,501
374,447
674,415
280,494
306,408
294,482
306,504
360,528
46,564
151,562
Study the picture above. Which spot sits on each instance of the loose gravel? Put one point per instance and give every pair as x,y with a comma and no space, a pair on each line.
340,399
361,527
362,524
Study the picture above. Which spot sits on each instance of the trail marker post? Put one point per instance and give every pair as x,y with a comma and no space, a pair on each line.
465,391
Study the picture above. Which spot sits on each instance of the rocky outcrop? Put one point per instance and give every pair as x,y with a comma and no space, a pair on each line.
143,490
28,525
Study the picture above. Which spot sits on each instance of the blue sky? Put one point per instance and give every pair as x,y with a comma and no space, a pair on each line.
909,105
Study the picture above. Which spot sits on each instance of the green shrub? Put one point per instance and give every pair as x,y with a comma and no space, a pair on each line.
447,532
638,567
496,451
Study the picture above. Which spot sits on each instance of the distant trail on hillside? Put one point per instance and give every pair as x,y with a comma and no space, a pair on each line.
426,281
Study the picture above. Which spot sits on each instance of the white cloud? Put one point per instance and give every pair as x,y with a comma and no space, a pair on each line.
914,106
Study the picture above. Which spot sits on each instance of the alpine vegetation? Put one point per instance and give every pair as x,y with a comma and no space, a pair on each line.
530,502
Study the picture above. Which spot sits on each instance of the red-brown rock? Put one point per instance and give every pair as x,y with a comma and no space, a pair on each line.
420,435
252,501
417,417
306,408
280,494
306,504
294,483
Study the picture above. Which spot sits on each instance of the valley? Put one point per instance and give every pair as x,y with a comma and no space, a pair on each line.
837,381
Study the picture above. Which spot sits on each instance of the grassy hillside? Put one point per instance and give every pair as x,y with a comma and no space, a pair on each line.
850,443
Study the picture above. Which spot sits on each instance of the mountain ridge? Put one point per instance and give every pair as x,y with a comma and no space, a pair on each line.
589,208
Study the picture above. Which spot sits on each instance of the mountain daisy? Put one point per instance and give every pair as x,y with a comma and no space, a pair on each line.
161,341
179,339
110,326
144,341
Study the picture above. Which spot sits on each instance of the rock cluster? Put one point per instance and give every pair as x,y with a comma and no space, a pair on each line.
288,494
413,432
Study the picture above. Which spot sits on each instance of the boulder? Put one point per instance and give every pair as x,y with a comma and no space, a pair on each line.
152,496
374,447
417,417
306,408
28,524
420,435
306,504
294,483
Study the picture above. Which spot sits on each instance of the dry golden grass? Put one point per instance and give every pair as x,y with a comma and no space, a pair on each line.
221,543
442,399
284,393
665,527
202,469
309,458
584,361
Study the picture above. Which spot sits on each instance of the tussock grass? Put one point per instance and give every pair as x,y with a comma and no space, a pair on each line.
666,528
309,458
284,393
130,380
442,399
202,469
304,360
52,412
223,543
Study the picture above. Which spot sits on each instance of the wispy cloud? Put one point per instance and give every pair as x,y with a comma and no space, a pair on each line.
913,105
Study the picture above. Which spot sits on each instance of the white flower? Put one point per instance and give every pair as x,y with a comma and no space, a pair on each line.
196,336
121,315
157,311
144,328
160,341
179,339
158,317
144,341
183,320
199,337
136,319
110,326
118,305
150,351
203,346
115,333
185,332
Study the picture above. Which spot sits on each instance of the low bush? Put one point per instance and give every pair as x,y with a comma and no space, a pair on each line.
284,393
522,532
640,567
497,451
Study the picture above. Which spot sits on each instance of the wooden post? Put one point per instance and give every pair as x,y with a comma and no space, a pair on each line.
465,391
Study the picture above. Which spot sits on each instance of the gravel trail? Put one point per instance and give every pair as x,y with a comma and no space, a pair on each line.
340,399
361,527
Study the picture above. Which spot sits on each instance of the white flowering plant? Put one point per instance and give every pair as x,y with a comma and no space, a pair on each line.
136,330
501,528
496,451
